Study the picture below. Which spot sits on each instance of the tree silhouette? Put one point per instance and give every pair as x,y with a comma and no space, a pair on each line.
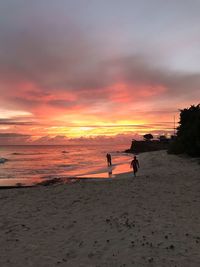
163,138
148,137
188,132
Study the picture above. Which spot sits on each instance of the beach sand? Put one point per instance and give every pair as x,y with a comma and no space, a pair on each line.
150,220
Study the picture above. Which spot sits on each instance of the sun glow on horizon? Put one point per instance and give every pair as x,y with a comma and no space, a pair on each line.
104,129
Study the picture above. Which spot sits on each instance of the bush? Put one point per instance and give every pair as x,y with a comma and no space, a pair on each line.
148,137
176,147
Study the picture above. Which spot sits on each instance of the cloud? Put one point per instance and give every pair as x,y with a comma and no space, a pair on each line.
39,77
55,68
61,103
13,135
63,57
15,122
12,138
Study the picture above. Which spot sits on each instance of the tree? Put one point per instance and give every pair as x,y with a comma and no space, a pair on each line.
188,132
148,137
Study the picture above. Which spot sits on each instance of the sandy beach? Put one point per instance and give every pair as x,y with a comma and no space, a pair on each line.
150,220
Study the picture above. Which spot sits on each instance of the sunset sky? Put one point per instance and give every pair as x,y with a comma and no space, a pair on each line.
96,69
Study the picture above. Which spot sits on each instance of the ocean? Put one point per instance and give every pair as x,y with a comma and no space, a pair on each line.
28,165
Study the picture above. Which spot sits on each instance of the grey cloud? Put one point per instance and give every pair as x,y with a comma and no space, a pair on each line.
59,139
23,102
14,135
10,138
141,69
54,57
17,122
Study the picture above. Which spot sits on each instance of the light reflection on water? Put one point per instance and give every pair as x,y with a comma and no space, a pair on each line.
29,164
109,172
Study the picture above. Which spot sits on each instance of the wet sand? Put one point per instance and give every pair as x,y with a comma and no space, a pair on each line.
150,220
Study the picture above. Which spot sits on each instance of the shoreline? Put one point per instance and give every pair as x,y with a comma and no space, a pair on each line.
99,175
102,173
19,170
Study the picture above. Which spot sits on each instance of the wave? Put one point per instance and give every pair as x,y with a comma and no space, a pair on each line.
3,160
26,154
65,152
68,166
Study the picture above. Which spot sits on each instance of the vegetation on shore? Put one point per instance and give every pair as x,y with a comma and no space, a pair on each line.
148,144
188,133
187,139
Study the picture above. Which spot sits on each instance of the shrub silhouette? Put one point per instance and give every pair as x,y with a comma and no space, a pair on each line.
188,132
163,138
148,137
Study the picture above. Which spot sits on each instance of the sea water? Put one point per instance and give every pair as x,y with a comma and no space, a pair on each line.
30,164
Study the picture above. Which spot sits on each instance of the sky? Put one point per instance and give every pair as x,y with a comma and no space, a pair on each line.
79,70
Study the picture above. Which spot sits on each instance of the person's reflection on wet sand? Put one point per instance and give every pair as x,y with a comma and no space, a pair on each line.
110,173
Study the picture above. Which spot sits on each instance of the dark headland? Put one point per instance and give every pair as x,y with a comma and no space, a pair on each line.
147,146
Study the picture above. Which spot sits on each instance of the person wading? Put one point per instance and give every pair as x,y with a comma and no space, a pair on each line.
109,160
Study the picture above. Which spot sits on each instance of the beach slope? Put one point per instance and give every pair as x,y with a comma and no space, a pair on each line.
150,220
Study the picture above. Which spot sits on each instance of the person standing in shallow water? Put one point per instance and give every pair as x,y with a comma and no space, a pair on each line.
135,165
109,160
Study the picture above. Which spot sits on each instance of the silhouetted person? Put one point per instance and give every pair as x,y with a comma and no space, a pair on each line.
109,160
135,165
